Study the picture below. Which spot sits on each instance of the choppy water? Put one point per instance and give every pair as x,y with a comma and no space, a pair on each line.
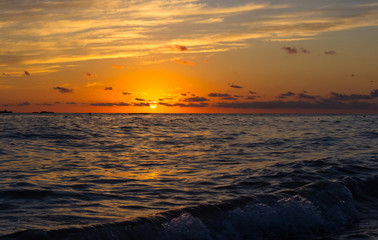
188,176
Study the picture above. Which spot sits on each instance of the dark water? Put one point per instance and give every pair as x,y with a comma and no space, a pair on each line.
188,176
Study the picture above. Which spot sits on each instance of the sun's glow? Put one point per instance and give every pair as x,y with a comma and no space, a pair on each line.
153,104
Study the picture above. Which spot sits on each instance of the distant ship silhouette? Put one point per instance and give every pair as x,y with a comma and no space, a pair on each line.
5,111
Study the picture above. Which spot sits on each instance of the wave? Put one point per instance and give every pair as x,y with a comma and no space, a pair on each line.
311,211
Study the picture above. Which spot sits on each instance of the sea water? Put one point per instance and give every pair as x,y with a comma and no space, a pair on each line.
188,176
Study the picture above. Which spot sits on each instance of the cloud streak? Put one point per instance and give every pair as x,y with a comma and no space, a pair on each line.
101,30
64,90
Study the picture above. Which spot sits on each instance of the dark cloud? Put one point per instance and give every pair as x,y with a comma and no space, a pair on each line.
290,50
196,99
251,92
24,104
229,98
304,50
286,95
374,93
325,104
251,97
330,52
195,105
346,97
107,104
26,73
164,99
293,50
109,88
139,99
304,95
71,103
87,74
63,90
46,104
178,48
141,104
219,95
127,93
234,86
183,94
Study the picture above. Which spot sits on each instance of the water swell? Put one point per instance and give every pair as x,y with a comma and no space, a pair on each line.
309,212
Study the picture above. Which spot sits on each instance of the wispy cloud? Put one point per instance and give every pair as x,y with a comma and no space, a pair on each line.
108,88
196,99
222,95
23,104
110,104
183,62
330,52
234,85
286,95
122,29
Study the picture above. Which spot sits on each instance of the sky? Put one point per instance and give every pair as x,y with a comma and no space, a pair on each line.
189,56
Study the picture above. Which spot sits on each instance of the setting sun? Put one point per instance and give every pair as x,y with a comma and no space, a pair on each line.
153,104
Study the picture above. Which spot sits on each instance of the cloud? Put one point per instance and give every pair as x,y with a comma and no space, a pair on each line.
196,99
87,74
234,86
139,99
108,104
64,90
127,93
346,97
165,99
306,96
290,50
108,88
304,50
45,104
178,48
194,105
23,104
293,50
93,84
117,66
141,104
374,93
71,103
251,92
330,52
286,95
219,95
27,73
117,29
318,105
183,62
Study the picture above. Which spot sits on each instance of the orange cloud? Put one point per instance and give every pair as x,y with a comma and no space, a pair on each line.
117,66
183,62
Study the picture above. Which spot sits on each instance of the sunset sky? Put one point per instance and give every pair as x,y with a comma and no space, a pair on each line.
189,56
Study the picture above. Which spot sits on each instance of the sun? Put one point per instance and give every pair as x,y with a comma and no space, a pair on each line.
153,104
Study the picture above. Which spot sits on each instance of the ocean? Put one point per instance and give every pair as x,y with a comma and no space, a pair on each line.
188,176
